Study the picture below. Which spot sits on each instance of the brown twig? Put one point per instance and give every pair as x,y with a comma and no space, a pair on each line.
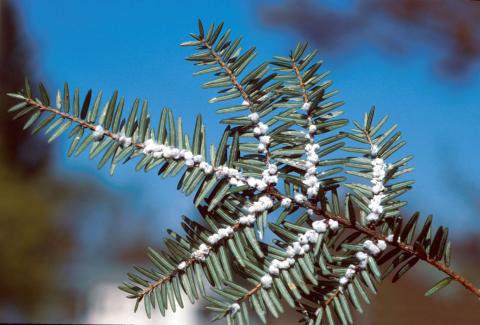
237,85
300,80
230,74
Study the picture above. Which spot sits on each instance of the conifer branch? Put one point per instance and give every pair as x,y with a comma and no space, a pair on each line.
272,192
84,124
243,182
146,147
371,233
216,240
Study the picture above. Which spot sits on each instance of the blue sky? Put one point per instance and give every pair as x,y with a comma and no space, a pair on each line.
133,46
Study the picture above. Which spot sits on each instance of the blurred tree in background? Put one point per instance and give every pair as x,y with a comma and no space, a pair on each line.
32,240
16,56
450,27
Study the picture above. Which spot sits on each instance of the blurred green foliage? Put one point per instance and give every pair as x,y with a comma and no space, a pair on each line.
32,240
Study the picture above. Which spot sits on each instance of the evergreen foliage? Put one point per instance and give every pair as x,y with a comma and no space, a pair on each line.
285,161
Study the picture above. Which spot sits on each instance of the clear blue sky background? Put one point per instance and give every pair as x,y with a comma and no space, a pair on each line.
133,46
